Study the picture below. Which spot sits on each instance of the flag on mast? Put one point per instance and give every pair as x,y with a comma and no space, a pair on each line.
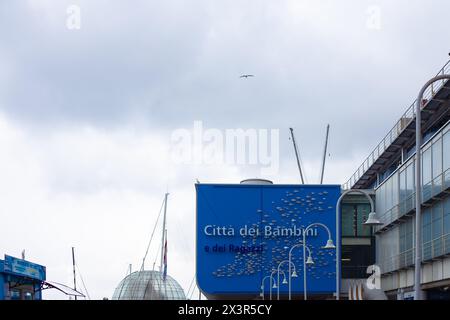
165,259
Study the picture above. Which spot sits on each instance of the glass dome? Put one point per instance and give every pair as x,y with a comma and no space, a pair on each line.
148,285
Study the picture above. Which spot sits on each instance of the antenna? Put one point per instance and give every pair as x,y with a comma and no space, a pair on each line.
324,154
297,156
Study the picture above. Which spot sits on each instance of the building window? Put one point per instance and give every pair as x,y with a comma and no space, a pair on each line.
28,296
426,167
353,218
410,179
403,185
446,158
437,158
426,234
446,226
348,222
15,294
437,230
406,240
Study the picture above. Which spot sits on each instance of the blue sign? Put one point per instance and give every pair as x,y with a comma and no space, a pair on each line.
244,232
23,268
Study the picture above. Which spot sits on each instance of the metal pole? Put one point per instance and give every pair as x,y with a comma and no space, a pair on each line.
270,290
296,155
290,278
290,262
278,280
262,286
262,289
163,233
305,247
278,284
324,154
305,296
74,274
338,247
418,244
418,249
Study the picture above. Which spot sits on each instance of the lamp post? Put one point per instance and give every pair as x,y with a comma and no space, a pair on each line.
371,221
418,249
310,261
328,245
262,285
284,275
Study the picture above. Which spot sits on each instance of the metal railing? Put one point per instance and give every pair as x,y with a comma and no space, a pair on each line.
397,211
433,249
393,134
438,185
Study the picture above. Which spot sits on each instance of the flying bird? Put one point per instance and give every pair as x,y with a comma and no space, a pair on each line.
246,76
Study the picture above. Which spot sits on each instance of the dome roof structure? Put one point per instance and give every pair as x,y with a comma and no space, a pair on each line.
148,285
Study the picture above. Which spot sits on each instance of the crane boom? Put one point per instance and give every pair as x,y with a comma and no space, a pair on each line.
296,155
324,155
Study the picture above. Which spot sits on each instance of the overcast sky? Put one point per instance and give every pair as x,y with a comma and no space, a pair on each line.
86,115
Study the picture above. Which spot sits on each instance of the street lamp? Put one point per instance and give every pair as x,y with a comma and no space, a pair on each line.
328,245
418,260
272,280
284,275
371,221
276,285
308,262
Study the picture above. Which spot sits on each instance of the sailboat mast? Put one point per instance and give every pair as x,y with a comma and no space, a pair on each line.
74,274
163,233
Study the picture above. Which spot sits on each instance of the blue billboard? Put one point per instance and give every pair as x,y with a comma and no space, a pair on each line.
23,268
244,232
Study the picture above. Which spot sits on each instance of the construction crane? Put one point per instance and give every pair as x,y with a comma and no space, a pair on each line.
324,155
297,156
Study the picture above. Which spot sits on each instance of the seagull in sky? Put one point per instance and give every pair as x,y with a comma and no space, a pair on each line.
246,76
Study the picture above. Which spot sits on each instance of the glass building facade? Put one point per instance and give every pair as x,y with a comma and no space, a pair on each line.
390,171
395,201
148,285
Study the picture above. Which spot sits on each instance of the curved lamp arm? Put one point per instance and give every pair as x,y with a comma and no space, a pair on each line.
320,225
365,193
264,279
298,246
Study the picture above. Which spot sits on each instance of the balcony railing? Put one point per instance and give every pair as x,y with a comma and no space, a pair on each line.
434,249
393,134
438,185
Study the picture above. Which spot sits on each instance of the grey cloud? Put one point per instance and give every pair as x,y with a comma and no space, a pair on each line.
155,66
